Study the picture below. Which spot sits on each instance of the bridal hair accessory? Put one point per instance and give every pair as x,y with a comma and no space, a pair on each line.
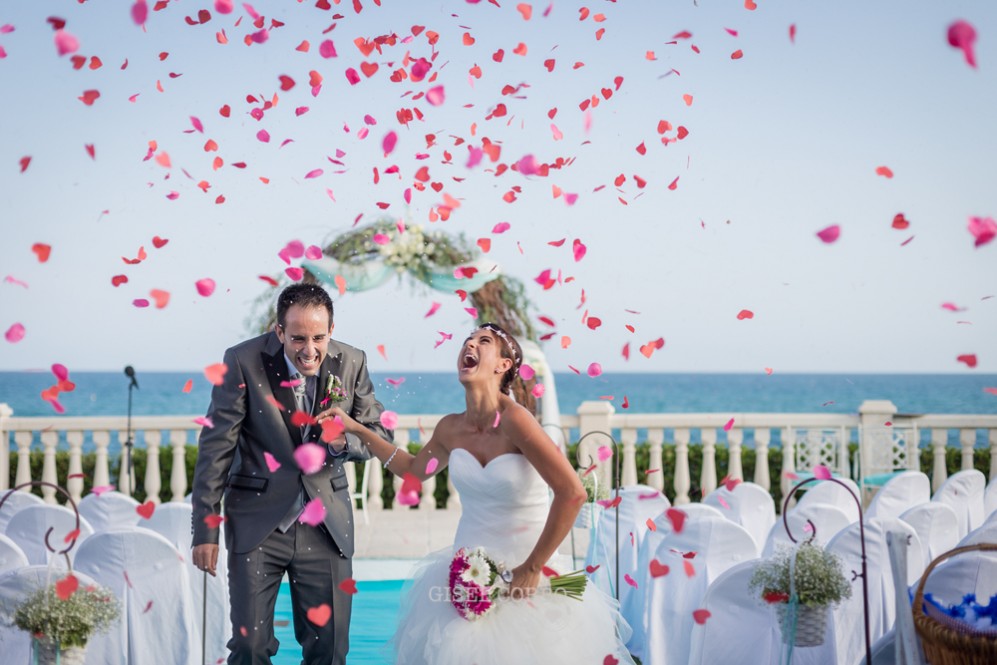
505,338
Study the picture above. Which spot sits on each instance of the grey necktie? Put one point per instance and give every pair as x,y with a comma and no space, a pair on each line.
303,393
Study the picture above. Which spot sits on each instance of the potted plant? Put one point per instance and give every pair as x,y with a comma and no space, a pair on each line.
61,624
818,582
594,492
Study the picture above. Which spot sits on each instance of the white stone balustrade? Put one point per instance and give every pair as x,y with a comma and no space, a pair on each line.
596,425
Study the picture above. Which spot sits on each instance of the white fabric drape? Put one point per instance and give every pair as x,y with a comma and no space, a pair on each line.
29,525
901,492
748,505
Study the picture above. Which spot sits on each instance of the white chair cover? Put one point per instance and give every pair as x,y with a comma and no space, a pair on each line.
846,618
11,555
638,504
110,510
828,520
985,533
151,578
633,609
15,586
15,501
29,525
964,492
901,492
970,572
937,527
172,521
743,629
749,505
672,598
834,494
990,498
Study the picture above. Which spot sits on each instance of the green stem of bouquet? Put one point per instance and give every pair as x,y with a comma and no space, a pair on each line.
570,584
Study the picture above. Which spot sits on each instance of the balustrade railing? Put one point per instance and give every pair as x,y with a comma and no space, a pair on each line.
886,442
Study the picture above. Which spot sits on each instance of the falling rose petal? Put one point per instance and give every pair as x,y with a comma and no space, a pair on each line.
498,419
745,314
677,518
983,229
263,136
327,49
60,371
216,373
223,6
205,286
900,222
501,227
160,297
604,453
188,386
295,274
792,33
388,144
271,461
657,569
213,521
830,234
101,489
962,35
952,307
884,171
594,370
349,585
314,173
42,251
313,253
435,96
700,616
146,510
538,390
204,421
352,76
629,580
730,423
969,359
990,391
314,513
389,419
526,372
821,472
66,587
140,11
65,42
15,333
309,457
579,249
140,302
25,161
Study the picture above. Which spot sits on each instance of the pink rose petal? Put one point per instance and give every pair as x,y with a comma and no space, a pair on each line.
263,135
140,11
604,453
501,227
435,96
830,234
983,229
528,165
65,42
314,513
295,274
579,249
389,142
730,423
205,286
15,333
352,76
327,49
821,472
313,253
60,371
594,370
271,461
314,173
101,489
538,390
407,498
223,6
526,372
389,419
309,457
962,35
204,421
431,466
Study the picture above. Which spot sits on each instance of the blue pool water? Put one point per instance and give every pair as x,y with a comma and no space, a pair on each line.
375,611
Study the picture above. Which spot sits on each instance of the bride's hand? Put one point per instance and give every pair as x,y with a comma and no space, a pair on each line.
524,582
349,425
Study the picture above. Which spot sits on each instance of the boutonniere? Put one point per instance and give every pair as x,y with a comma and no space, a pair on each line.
334,391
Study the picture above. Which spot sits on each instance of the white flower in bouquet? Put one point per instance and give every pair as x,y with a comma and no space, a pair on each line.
478,570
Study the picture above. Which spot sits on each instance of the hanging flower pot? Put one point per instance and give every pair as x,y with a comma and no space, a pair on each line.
48,652
811,624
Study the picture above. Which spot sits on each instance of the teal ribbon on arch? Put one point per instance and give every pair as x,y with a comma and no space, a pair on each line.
372,274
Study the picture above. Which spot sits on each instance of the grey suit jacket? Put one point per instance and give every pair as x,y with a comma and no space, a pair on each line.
251,413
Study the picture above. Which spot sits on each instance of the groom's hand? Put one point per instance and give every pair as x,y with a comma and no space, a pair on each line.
205,558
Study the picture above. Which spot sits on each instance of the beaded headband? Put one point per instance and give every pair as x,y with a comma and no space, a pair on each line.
505,338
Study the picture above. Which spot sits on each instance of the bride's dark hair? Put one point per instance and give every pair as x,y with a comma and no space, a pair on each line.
509,349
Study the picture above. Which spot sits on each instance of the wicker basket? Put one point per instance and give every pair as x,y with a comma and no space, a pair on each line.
811,624
952,643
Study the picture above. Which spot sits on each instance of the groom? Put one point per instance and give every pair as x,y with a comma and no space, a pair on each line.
247,457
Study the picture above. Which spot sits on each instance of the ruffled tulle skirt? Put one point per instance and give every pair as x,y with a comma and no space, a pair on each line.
546,629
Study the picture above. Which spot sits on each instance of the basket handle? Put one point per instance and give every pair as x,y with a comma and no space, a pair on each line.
919,595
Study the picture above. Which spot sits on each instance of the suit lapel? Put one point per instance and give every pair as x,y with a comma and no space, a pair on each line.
276,368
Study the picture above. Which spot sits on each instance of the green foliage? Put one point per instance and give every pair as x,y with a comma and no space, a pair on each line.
70,622
816,575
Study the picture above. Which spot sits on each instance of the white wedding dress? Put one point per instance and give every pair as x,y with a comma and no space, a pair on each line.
505,505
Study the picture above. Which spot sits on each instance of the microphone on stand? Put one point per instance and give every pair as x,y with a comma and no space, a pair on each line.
130,373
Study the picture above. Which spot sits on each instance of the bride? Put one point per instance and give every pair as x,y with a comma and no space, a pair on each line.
502,464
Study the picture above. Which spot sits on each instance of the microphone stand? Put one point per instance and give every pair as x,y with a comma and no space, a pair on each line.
129,444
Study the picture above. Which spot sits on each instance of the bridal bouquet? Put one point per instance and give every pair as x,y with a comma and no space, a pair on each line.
477,583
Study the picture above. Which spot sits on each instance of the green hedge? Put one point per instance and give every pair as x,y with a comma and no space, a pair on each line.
953,460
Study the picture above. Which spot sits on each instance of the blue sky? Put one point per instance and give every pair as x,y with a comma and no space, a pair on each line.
782,143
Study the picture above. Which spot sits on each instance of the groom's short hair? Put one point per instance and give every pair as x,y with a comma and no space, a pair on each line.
303,295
